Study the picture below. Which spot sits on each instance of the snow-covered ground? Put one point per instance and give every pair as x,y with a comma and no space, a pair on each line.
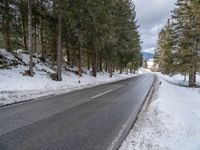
150,63
15,87
170,122
179,79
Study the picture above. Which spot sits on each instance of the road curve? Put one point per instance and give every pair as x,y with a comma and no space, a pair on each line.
89,119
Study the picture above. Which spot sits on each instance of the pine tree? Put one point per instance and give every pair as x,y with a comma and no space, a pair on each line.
186,39
166,43
93,33
6,22
30,37
178,43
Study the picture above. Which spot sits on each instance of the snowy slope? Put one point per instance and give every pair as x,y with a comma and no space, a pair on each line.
147,55
16,87
171,121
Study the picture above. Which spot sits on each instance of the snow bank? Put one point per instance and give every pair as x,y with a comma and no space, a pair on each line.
179,79
6,54
171,122
15,87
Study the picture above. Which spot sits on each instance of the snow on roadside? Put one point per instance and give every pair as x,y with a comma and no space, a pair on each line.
171,121
179,79
7,54
16,87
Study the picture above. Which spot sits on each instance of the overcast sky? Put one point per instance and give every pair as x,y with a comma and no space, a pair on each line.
152,15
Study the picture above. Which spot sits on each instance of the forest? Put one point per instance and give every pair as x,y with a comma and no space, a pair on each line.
178,44
100,35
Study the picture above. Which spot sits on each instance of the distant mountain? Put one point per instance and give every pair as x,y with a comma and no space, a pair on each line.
147,56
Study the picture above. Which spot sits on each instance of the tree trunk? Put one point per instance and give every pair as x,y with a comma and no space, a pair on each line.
16,33
59,47
192,75
7,27
94,63
184,76
24,34
100,63
88,60
131,70
110,69
23,26
80,63
68,53
35,36
41,35
42,41
121,70
54,47
30,38
106,65
8,47
192,78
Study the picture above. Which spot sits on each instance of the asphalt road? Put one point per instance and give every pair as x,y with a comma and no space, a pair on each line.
89,119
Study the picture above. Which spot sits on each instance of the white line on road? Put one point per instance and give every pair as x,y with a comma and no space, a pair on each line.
102,94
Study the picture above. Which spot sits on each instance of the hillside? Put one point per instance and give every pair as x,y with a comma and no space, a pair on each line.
17,86
147,56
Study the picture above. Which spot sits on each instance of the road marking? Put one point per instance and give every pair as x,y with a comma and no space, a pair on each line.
102,94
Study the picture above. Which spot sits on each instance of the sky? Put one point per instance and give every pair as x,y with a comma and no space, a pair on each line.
151,16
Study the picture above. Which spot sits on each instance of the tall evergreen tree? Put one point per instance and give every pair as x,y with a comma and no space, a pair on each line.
97,33
165,49
183,50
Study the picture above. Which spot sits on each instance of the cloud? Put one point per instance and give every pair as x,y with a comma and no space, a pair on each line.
152,15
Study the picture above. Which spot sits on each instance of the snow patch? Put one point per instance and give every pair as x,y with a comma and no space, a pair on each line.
15,87
171,121
179,79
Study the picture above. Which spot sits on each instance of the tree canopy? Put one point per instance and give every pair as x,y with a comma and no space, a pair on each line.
94,33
